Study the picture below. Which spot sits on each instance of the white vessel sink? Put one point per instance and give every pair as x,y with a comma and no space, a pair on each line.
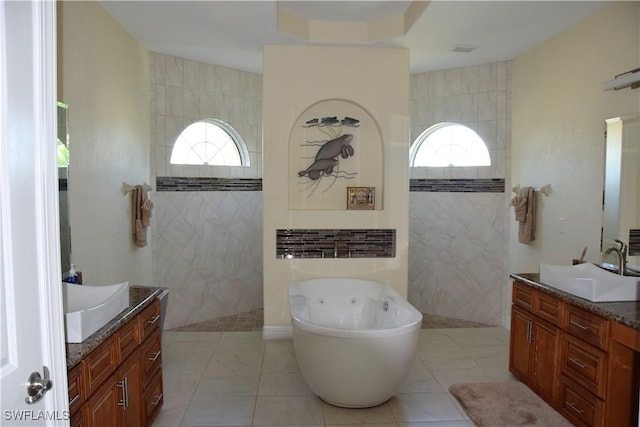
591,282
88,308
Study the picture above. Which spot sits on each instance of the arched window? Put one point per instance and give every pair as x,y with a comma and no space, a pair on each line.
210,142
449,144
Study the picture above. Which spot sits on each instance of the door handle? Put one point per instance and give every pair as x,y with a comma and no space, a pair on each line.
124,385
37,386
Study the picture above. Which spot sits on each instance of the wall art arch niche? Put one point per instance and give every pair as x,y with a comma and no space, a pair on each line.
334,144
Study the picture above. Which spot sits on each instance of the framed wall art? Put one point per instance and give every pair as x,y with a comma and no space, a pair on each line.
361,198
334,144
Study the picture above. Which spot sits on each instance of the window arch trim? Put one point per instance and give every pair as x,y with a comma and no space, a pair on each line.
234,136
424,137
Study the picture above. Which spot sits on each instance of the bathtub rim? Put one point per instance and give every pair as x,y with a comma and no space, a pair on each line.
304,324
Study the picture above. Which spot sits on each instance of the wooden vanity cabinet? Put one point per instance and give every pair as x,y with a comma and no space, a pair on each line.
151,363
118,402
623,376
77,389
584,365
534,352
116,376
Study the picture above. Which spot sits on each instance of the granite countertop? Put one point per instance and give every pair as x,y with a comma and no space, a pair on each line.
627,313
139,298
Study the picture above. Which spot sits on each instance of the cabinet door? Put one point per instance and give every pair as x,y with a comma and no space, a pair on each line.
623,377
78,420
104,408
519,351
545,368
130,375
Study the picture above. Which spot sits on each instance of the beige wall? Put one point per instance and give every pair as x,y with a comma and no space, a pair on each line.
295,78
559,110
103,74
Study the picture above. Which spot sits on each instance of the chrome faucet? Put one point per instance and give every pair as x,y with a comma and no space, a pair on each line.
621,253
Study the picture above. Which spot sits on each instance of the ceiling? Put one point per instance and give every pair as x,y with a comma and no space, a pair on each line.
233,33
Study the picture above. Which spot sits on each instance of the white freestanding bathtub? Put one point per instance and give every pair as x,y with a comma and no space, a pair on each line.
355,340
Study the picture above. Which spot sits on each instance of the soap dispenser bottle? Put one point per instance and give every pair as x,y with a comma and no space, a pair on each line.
72,276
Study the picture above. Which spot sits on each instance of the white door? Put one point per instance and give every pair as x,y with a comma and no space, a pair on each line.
31,323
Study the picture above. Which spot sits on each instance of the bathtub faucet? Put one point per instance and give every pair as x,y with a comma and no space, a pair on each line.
385,306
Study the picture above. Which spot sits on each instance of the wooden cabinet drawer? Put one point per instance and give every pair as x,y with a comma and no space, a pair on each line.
153,398
587,326
76,379
584,364
150,319
128,338
101,363
152,354
548,307
522,295
578,405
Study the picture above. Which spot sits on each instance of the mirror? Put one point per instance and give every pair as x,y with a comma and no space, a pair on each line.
621,203
62,144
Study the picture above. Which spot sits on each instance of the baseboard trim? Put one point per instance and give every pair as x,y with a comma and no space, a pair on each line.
277,333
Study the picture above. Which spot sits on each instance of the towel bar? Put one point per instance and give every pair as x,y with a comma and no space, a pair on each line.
127,187
545,189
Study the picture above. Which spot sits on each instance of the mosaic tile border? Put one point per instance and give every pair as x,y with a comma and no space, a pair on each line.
335,243
634,242
173,183
462,185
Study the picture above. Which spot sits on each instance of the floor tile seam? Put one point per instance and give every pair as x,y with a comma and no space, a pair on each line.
260,372
200,376
445,386
459,407
320,401
476,358
441,363
186,352
232,352
445,392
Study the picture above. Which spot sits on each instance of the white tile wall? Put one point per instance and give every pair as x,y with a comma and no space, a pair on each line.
457,255
478,97
458,242
207,245
208,251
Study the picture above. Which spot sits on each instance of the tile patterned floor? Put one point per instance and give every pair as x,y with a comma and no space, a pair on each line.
253,321
238,379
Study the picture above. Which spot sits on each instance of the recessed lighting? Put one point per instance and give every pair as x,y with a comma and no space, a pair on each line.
464,48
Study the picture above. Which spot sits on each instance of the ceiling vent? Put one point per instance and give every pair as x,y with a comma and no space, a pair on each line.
629,79
464,48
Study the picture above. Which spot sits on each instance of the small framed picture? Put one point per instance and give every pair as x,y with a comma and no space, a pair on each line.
361,197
